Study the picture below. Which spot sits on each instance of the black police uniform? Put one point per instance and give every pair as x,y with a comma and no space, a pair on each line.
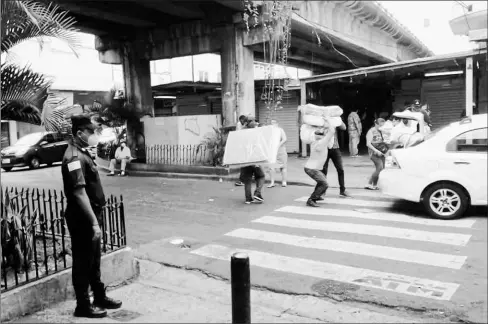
79,170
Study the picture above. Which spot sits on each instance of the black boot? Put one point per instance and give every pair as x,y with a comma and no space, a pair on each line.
89,311
107,302
312,203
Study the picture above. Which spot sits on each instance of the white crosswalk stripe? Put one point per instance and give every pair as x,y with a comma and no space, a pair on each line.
378,251
277,239
362,277
390,217
352,202
386,231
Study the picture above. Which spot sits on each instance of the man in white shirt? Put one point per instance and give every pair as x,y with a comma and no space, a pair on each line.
313,168
122,156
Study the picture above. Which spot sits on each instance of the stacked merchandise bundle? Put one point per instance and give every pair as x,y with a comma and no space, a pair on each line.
254,146
313,119
408,136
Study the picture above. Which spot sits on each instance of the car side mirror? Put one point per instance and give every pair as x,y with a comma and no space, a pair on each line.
43,143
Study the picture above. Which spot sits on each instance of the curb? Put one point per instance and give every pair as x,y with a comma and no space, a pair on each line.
117,267
192,176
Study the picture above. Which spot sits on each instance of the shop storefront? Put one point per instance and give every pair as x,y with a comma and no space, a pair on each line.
449,84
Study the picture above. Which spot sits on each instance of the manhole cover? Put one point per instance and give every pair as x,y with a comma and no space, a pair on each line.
124,315
330,287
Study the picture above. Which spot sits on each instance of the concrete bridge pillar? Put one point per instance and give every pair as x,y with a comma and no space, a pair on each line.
237,66
137,83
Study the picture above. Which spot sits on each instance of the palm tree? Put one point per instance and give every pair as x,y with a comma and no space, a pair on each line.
113,112
24,91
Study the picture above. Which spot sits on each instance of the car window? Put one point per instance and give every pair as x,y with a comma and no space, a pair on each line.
475,140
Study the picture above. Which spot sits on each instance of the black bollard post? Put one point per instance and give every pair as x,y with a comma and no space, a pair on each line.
240,278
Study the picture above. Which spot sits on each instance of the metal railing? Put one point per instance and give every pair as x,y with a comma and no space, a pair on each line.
177,154
33,248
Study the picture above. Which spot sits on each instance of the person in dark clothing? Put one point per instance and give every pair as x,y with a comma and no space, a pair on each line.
247,174
85,200
336,157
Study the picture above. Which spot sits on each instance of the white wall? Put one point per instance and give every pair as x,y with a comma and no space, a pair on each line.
179,130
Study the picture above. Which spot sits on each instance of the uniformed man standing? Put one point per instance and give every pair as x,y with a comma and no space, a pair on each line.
85,200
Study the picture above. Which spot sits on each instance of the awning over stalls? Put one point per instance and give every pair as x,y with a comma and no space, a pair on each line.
404,69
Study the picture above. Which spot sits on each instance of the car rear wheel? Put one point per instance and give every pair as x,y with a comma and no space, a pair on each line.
35,163
8,169
445,201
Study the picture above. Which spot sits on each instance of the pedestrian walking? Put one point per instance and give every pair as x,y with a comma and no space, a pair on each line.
377,149
334,154
281,159
85,200
313,168
355,130
241,124
256,171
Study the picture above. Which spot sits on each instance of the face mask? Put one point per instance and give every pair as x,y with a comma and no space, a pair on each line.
89,140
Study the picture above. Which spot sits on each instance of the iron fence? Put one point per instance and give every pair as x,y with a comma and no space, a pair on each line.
35,236
177,154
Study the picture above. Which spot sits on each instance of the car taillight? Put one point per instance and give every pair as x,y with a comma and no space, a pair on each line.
391,163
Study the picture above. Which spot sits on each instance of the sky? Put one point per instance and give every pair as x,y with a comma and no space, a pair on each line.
429,21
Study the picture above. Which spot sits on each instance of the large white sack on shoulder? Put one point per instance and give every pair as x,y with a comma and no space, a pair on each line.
307,133
334,122
312,120
324,111
252,145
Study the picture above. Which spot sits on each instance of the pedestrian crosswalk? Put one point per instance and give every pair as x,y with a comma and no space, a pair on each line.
345,242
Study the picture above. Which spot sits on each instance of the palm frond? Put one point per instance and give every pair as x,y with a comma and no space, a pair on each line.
23,93
52,102
59,119
28,19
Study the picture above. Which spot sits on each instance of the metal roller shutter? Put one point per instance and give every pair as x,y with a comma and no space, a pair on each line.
216,106
446,105
286,117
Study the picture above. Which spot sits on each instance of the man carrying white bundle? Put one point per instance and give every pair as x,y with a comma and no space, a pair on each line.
318,155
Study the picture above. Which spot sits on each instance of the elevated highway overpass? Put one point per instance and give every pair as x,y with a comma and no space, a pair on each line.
133,32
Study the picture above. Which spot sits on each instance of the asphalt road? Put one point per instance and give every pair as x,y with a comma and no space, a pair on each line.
370,249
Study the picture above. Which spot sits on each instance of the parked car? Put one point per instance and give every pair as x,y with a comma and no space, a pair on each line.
35,149
446,172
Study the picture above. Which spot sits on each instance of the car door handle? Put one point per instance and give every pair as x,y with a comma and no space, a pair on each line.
461,162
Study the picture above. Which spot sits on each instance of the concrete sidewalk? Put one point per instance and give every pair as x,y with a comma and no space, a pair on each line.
357,172
171,295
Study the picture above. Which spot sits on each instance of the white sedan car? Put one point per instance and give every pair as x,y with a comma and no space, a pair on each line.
446,173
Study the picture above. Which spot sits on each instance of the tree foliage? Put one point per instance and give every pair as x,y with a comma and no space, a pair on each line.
24,91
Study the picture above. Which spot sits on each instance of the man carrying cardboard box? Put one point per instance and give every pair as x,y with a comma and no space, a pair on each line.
247,174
